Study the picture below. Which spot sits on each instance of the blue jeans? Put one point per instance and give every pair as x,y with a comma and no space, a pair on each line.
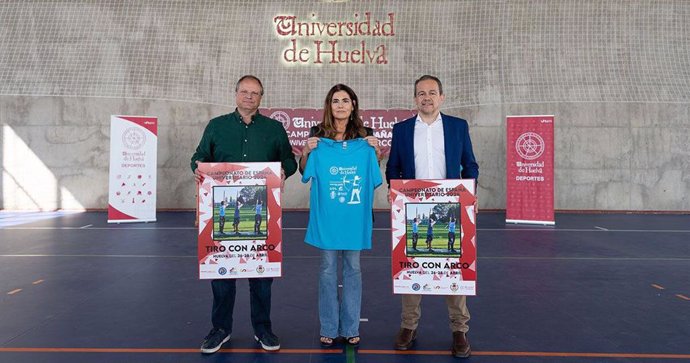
224,291
340,318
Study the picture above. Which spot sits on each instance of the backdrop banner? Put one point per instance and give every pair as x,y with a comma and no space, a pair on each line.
298,121
529,170
433,234
132,179
239,221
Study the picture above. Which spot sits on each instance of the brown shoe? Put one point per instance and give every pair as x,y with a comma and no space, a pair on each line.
405,339
461,346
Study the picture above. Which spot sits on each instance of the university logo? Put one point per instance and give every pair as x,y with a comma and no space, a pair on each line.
133,138
260,269
530,145
283,117
222,271
454,287
415,286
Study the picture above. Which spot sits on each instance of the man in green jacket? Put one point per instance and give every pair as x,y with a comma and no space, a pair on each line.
243,136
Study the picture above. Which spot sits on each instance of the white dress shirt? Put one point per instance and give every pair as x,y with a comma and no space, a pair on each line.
429,149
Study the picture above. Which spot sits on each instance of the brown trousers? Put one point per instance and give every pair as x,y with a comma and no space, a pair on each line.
458,313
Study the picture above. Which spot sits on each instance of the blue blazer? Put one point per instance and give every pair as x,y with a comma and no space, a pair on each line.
460,161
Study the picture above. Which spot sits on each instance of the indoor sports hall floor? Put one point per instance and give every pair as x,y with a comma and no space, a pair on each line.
594,288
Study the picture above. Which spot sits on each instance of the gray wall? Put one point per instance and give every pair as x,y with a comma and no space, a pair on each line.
614,73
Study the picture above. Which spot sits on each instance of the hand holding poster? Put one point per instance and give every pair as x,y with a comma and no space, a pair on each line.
434,244
239,220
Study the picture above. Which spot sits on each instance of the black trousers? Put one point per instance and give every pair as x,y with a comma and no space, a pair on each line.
224,291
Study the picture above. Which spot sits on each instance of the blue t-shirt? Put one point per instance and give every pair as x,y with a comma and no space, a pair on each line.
221,211
343,177
258,208
430,228
451,227
415,227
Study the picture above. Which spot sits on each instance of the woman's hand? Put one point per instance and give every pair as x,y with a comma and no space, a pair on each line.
311,144
374,142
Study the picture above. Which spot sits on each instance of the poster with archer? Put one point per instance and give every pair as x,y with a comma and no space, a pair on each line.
239,233
433,235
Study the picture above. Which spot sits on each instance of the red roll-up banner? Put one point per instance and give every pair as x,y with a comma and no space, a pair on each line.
530,169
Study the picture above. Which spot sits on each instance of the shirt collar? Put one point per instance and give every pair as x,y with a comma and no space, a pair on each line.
239,117
438,119
343,144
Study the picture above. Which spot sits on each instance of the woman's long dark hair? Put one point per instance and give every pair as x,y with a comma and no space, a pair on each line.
355,126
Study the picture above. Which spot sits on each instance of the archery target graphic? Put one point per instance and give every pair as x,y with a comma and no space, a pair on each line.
529,145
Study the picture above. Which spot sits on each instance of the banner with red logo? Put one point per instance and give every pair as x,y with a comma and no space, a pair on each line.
239,221
132,179
298,121
530,169
434,239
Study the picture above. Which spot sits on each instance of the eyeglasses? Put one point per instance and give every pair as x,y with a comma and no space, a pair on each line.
252,94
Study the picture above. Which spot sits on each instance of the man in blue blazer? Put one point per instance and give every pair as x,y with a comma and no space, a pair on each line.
432,145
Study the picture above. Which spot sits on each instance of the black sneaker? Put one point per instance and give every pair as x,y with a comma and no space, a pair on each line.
213,341
268,341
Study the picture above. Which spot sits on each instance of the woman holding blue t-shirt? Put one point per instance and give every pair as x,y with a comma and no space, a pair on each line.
341,121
